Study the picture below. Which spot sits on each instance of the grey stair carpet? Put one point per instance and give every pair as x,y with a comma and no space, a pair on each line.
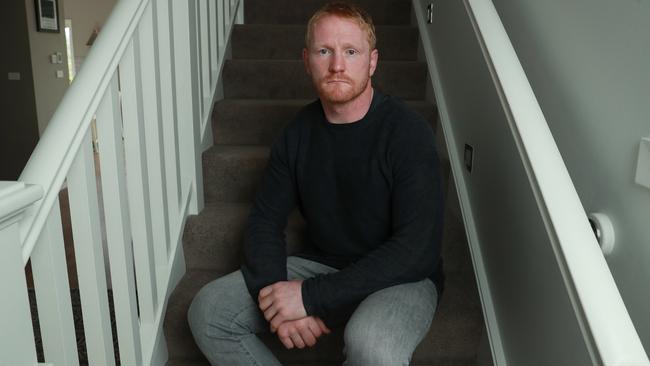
264,86
260,42
383,12
268,79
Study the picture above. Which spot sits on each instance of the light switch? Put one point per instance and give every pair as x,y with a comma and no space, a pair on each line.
643,163
53,58
59,74
13,76
469,157
430,13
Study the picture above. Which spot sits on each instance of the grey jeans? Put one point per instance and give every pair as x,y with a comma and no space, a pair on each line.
384,329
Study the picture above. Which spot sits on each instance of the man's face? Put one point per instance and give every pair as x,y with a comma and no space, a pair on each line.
339,59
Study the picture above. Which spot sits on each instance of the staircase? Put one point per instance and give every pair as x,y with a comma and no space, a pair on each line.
264,86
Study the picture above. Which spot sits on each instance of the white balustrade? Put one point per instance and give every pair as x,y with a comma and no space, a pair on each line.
149,82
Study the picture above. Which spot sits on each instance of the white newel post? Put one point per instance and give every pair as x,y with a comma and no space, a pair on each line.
16,332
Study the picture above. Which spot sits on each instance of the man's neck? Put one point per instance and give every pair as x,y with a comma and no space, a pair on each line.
351,111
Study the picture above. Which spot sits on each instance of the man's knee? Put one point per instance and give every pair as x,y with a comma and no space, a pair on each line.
216,306
369,344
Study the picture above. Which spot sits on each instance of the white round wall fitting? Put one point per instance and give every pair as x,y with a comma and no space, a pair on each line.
604,230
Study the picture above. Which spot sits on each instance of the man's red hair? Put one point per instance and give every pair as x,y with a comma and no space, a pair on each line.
344,10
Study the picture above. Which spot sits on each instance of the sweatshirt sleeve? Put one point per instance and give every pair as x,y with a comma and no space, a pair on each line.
265,258
412,251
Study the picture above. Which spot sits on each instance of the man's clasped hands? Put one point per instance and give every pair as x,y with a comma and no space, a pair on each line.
282,306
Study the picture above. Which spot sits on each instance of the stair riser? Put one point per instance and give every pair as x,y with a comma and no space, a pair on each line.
386,12
287,42
288,79
232,177
214,240
243,122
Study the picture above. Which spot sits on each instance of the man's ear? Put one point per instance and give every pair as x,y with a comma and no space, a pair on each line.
305,60
374,57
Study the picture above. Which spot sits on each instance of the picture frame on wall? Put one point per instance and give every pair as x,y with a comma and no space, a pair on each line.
47,15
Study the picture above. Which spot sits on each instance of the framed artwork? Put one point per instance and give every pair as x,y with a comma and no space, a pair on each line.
47,16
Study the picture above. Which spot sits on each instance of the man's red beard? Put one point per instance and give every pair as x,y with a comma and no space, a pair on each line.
339,93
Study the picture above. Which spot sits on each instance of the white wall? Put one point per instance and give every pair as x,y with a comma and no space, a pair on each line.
589,64
48,89
526,303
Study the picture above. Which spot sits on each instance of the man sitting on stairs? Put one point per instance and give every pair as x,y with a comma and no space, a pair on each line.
364,172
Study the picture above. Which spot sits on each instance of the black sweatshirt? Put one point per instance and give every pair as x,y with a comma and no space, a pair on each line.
370,193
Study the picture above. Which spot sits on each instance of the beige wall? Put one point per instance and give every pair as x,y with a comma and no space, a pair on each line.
85,16
47,87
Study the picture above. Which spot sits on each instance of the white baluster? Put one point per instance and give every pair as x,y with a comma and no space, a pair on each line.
204,49
189,134
154,142
239,18
118,228
137,180
168,113
89,256
195,25
213,42
227,17
53,293
16,333
221,25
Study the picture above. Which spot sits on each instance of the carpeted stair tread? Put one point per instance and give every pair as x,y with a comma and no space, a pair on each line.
285,42
260,121
383,12
286,79
231,172
213,240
